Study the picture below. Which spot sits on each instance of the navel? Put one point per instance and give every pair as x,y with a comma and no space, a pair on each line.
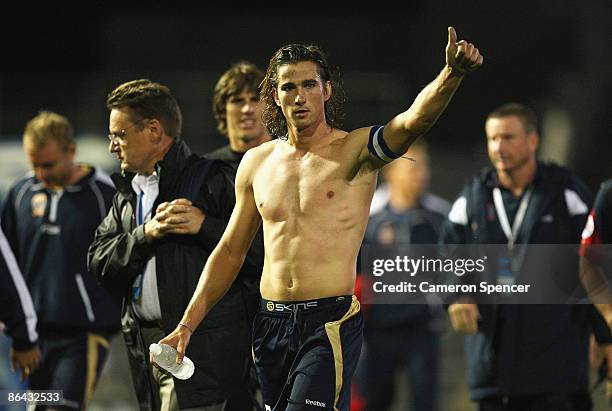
290,284
330,194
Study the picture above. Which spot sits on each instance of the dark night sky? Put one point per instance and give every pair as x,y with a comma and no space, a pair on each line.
538,52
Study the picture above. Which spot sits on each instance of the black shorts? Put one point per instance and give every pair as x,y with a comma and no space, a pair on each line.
306,352
72,364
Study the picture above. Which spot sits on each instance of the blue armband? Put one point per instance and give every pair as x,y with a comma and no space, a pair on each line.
378,147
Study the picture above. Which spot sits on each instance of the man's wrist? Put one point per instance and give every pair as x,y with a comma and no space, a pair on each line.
454,71
200,223
181,324
147,235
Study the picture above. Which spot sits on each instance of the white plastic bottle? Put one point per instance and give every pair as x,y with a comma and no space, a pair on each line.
165,357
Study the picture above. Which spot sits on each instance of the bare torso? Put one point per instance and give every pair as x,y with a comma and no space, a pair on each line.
314,206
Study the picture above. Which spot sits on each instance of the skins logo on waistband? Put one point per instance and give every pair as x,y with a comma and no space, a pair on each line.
279,307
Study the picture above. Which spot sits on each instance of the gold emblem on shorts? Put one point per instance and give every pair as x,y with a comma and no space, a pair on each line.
270,306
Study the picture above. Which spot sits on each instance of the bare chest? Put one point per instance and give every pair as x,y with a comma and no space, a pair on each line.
290,188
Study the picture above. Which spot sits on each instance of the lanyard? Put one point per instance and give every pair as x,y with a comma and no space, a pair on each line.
511,233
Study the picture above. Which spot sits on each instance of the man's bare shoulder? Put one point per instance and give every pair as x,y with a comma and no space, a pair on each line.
354,144
360,134
352,138
338,135
265,148
259,153
252,159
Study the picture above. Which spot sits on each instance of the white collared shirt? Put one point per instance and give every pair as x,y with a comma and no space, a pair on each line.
147,306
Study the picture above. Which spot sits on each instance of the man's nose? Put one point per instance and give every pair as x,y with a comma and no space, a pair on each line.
249,107
112,146
299,97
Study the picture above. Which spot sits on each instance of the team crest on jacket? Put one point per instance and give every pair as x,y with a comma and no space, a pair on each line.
38,204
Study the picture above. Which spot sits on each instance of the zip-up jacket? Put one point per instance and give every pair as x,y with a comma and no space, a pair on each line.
528,349
120,252
49,232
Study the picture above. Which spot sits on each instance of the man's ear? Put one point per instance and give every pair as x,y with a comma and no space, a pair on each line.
276,99
328,90
71,150
222,123
155,129
534,141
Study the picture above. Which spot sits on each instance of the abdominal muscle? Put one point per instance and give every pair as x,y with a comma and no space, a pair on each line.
314,212
317,261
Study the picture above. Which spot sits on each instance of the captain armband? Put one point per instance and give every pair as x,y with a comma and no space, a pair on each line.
378,147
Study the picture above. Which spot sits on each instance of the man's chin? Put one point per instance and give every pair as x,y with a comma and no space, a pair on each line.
247,139
52,184
506,168
302,124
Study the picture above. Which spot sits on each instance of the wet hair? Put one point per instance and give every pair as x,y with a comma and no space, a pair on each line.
240,76
48,126
524,113
292,54
148,99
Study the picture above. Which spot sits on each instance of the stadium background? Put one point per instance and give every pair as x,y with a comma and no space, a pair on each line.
552,55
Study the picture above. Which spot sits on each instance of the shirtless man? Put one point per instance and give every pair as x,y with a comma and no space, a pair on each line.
312,190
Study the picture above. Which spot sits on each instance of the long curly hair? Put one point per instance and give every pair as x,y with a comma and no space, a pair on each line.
292,54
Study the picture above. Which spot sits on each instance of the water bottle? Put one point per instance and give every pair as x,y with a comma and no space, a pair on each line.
165,357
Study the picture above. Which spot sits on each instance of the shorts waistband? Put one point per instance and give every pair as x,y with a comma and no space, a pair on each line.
287,307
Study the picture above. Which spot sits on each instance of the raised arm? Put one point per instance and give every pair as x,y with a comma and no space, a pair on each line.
225,261
399,133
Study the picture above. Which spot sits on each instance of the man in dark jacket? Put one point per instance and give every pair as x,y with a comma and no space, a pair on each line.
49,219
238,112
523,357
169,213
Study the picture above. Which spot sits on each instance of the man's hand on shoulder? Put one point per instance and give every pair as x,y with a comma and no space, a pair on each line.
462,57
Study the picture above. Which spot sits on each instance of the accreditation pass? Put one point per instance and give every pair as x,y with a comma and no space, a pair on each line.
31,397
